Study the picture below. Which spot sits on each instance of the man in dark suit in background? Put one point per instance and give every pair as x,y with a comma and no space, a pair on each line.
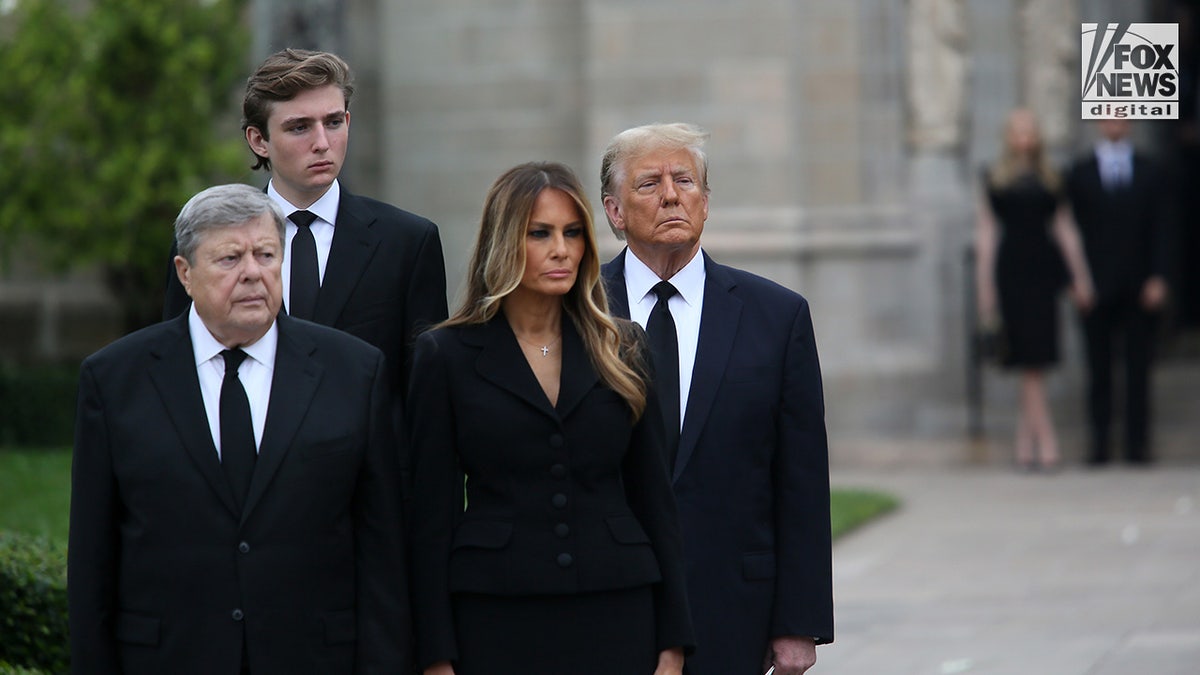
736,365
1119,199
353,263
234,501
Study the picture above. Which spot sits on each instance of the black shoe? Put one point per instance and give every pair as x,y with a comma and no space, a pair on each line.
1098,453
1140,460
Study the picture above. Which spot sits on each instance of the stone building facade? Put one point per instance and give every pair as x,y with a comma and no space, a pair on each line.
846,135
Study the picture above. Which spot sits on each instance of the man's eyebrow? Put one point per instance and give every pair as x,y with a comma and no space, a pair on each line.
648,173
305,118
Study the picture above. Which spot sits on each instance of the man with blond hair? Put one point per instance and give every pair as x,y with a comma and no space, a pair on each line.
736,368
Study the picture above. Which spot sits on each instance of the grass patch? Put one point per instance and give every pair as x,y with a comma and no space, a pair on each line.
35,496
35,492
850,508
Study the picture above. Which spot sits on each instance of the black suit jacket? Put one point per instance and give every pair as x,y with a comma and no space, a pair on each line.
751,476
166,576
1125,232
478,409
385,281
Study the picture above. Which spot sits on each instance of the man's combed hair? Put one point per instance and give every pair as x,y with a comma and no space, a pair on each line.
221,206
285,75
637,141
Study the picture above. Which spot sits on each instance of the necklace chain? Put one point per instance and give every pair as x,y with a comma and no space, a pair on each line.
544,349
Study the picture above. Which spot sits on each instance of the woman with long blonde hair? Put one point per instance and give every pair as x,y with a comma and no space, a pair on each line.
1027,250
564,555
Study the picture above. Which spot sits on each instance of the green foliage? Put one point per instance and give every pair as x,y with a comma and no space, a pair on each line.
33,605
38,404
122,112
35,492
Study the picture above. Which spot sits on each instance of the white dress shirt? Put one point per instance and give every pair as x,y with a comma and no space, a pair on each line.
255,373
685,306
325,209
1116,162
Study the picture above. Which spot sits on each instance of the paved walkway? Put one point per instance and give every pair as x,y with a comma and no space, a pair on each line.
983,570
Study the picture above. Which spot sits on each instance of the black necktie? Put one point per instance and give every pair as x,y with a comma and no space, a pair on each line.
305,280
664,345
238,453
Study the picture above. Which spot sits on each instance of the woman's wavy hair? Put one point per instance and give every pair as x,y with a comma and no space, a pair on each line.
498,264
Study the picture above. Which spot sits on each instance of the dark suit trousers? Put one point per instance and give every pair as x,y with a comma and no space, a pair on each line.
1119,324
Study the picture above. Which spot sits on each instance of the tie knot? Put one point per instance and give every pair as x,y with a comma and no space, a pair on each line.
233,359
303,218
664,290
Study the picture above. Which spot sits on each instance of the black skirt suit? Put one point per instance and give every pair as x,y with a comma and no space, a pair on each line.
566,555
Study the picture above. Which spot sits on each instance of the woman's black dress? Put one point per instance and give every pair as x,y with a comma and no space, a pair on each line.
1030,272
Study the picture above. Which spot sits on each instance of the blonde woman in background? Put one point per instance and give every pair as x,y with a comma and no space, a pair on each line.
1028,250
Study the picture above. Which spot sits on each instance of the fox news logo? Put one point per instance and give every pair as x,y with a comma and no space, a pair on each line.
1129,70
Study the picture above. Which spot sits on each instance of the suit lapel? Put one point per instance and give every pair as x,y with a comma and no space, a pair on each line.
502,363
173,372
353,245
293,383
1094,175
719,321
614,283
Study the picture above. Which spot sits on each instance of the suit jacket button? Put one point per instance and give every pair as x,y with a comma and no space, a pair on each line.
556,440
559,501
243,547
237,615
561,530
565,560
558,471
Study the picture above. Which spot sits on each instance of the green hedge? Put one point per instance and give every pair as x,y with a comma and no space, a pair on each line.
38,404
7,668
33,606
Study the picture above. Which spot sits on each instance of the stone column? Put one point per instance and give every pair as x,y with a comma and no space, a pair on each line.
937,73
1050,67
939,203
306,24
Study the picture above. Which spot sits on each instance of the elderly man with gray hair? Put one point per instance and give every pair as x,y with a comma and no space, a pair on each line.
736,368
235,491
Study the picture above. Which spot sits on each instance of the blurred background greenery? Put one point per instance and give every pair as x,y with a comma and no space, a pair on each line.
117,112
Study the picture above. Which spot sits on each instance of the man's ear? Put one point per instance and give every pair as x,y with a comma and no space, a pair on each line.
612,208
257,142
184,271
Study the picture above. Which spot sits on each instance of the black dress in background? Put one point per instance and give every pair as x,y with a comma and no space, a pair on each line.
1030,272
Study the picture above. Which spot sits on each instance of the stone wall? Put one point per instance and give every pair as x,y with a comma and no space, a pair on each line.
829,169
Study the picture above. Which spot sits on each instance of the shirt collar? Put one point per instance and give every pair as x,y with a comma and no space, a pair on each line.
689,281
325,208
205,347
1114,149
